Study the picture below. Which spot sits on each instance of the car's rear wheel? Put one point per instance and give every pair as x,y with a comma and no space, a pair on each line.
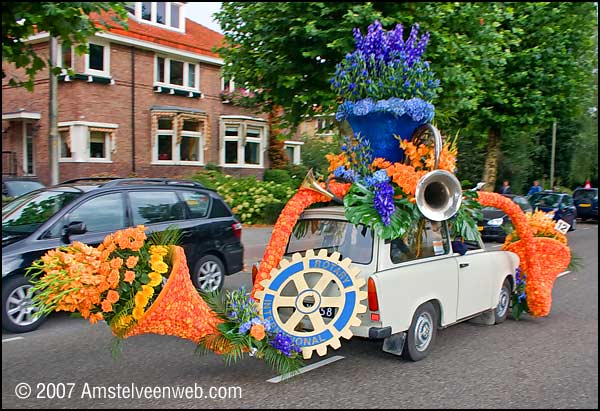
18,312
501,311
421,333
209,274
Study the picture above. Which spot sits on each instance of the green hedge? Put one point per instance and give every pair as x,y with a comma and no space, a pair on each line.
252,201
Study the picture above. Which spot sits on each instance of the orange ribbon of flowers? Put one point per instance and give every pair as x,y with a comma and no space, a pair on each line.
541,258
285,223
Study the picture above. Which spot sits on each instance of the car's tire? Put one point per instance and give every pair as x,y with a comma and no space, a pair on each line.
18,314
501,310
421,334
209,274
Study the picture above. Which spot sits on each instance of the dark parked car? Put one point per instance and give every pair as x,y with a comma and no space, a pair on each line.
586,202
560,205
496,223
89,210
13,187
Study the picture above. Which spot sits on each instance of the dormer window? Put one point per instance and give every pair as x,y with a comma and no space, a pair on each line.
161,13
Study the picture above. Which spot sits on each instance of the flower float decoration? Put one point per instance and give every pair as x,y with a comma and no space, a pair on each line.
386,87
542,250
142,286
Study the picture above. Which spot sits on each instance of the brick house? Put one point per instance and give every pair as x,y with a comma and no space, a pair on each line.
145,101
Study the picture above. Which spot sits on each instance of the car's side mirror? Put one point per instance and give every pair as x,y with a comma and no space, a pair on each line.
73,228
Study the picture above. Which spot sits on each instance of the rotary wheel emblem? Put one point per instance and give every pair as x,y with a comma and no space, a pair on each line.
314,299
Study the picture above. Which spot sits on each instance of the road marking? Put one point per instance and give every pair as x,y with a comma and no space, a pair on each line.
564,273
12,339
302,370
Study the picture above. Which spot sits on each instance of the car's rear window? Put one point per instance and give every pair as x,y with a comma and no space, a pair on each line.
332,235
18,188
585,194
219,209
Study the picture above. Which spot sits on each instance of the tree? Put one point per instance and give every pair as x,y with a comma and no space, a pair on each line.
70,22
508,70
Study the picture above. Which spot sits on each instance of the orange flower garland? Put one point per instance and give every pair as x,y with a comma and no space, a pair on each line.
284,225
542,257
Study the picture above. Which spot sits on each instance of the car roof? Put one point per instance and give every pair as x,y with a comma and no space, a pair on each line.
91,183
325,212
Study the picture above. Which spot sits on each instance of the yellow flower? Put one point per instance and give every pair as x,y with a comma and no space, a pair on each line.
147,291
160,267
137,313
158,249
155,279
140,299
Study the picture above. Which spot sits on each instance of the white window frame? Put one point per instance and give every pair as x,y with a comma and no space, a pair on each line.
176,146
326,119
59,59
80,136
154,13
297,147
105,56
231,84
60,143
167,73
25,150
243,123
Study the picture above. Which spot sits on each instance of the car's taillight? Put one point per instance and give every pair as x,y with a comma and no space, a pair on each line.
237,230
372,295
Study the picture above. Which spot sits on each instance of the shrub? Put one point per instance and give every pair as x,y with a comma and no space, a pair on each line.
277,176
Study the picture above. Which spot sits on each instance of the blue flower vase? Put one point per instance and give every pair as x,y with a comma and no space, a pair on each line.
379,128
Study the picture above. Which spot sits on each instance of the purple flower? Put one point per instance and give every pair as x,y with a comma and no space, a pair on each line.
283,343
384,201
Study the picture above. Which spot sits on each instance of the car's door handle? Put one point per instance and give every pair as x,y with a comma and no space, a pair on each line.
463,265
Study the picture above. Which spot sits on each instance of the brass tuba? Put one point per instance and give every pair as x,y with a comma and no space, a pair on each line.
311,183
438,194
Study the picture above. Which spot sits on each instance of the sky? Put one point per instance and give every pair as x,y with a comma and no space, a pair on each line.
201,12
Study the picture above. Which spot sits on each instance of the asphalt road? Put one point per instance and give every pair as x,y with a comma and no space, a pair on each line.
542,363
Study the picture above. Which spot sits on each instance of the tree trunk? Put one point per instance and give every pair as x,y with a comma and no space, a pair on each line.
490,169
277,156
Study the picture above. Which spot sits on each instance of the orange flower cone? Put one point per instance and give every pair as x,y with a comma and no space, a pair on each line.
551,257
541,258
178,310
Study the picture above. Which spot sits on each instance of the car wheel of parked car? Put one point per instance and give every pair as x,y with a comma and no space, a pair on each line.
501,311
421,333
209,274
18,313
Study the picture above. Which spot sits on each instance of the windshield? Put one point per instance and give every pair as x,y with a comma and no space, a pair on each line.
27,214
545,200
332,235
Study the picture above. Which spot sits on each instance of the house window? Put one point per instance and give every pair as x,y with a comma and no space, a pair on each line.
97,61
186,148
227,84
189,147
171,72
65,150
324,125
65,57
161,13
243,143
292,149
99,143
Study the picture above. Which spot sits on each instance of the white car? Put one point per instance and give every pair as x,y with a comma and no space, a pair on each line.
415,285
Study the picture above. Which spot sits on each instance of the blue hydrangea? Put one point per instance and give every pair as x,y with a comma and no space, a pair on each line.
363,107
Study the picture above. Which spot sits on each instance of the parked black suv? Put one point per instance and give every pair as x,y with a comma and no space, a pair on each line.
87,210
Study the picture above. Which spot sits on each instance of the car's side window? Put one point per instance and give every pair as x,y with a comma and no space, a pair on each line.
158,206
427,239
219,209
197,203
101,213
521,202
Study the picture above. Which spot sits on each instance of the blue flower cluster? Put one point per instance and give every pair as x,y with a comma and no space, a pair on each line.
245,327
283,343
380,176
419,110
358,153
383,65
384,201
520,286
